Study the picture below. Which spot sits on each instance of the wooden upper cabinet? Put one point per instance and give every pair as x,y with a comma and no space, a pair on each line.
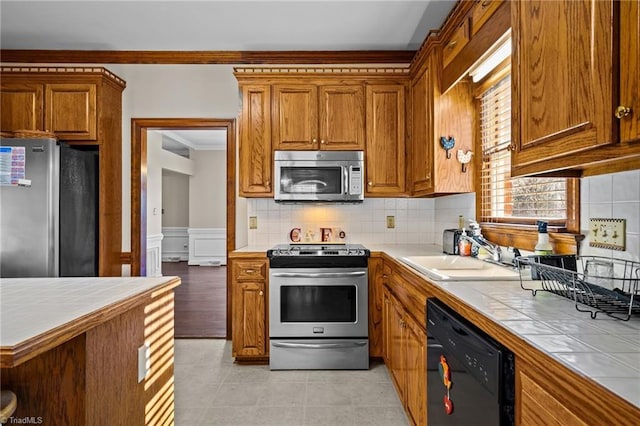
70,110
385,146
22,106
255,141
342,112
629,71
421,152
482,12
564,91
454,44
314,117
295,117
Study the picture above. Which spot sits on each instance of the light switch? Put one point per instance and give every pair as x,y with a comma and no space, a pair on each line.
607,233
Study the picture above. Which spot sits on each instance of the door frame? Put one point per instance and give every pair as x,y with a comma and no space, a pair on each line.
139,127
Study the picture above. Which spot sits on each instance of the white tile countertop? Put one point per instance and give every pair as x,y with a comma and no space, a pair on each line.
31,307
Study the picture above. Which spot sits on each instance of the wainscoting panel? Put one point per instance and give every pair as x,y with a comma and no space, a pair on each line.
154,255
207,246
175,244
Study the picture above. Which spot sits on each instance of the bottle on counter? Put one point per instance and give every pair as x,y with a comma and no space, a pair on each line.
543,247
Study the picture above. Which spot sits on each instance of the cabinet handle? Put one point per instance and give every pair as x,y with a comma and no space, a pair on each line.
261,293
622,111
485,3
385,276
452,44
249,271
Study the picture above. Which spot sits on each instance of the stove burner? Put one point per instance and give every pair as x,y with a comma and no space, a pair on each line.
291,250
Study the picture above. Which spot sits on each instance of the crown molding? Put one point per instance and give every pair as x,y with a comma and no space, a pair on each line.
205,57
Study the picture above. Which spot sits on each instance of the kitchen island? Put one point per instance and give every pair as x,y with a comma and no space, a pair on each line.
74,350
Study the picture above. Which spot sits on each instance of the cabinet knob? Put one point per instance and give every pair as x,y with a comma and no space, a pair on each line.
622,111
452,44
512,146
314,140
370,183
322,141
485,3
261,293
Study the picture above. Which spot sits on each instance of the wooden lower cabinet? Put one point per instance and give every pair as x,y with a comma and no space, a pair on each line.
250,336
406,357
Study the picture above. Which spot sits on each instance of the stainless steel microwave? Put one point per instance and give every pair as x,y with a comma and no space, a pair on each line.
319,176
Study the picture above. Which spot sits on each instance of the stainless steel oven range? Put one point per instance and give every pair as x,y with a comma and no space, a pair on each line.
318,307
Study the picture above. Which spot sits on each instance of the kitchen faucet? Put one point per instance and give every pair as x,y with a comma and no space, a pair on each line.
479,241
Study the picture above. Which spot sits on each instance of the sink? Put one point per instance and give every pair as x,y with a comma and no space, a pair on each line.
459,268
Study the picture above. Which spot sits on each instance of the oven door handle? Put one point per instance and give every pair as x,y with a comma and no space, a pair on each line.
342,345
319,274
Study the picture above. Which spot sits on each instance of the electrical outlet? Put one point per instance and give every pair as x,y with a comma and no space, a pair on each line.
253,222
391,222
607,233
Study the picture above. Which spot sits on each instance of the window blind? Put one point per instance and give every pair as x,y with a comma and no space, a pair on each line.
503,198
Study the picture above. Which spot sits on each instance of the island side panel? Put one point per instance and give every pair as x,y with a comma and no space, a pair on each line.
51,387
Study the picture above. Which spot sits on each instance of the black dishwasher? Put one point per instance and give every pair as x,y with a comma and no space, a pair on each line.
470,376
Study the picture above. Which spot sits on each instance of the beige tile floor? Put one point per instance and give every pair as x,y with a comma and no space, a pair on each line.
211,390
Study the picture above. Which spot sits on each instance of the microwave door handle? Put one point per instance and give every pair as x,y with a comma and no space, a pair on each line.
343,345
319,275
345,181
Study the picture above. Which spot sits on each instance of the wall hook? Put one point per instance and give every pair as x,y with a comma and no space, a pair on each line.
464,158
447,143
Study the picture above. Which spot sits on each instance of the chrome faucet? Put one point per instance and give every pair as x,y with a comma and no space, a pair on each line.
479,241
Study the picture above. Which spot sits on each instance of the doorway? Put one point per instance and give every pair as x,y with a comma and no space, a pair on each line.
140,127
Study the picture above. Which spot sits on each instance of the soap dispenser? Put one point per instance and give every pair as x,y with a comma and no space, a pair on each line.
543,247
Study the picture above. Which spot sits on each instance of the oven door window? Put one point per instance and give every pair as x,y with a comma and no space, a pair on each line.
324,304
311,180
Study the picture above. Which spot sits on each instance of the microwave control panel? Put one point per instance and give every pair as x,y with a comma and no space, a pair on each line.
355,180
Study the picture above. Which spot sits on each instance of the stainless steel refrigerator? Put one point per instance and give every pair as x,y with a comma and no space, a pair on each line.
48,209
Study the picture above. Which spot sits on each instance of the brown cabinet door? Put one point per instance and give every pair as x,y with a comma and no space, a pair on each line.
385,160
416,371
255,142
630,70
249,318
22,106
341,117
422,133
295,117
562,101
71,111
396,346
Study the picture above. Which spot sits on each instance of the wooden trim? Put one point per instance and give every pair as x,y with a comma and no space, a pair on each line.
525,237
12,356
125,258
58,71
206,57
139,127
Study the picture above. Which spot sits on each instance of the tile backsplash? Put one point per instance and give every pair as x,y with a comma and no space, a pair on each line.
422,220
617,196
363,223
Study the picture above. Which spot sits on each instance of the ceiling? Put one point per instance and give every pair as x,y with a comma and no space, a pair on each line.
239,25
213,25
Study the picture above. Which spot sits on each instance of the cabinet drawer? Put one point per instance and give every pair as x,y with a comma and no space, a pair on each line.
458,40
481,12
250,270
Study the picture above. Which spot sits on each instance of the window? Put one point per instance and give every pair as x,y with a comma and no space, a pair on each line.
505,200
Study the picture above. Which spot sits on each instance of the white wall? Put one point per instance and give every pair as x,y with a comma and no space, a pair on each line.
208,190
176,91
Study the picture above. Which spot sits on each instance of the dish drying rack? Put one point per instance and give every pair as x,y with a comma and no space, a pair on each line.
613,292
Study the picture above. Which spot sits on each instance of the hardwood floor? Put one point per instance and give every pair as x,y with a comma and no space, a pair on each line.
200,301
